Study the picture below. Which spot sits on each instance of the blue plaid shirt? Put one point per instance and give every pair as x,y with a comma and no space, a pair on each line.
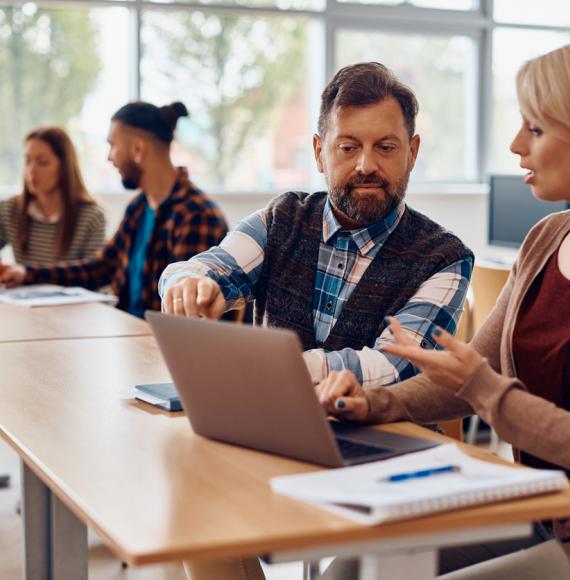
344,256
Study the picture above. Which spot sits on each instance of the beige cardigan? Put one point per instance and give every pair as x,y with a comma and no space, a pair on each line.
526,421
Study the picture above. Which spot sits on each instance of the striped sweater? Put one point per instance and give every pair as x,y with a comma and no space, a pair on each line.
88,237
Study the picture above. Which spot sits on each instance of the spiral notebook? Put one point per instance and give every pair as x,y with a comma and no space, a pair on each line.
439,479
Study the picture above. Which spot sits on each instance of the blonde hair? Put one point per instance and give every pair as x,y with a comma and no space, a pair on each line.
543,87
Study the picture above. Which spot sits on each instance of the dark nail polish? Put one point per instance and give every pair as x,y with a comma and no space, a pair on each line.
436,331
340,404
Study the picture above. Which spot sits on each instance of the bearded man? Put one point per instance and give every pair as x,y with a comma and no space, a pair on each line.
168,220
332,265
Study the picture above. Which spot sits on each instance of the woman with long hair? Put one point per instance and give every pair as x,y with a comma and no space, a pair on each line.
54,218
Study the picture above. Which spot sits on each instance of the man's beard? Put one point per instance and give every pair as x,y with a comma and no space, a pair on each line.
131,175
364,209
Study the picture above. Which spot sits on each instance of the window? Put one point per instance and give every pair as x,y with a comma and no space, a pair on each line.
64,67
244,79
545,12
513,47
438,68
281,5
251,73
442,4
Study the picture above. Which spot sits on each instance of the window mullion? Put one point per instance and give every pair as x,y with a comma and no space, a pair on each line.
135,54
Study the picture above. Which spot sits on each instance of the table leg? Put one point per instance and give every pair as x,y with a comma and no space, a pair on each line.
36,522
311,570
55,540
4,479
419,565
68,545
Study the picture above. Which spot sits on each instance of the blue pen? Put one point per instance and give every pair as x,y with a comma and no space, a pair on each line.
397,477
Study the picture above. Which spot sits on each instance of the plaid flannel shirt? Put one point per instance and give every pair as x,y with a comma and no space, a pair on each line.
187,223
237,264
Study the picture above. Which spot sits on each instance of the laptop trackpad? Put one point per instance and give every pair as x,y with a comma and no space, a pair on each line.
359,444
354,450
390,443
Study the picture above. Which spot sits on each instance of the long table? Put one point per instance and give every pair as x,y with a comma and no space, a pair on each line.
19,323
156,492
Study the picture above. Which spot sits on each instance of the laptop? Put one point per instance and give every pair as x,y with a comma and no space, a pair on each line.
249,386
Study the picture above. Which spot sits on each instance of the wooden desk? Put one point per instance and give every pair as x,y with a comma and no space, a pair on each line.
156,492
18,323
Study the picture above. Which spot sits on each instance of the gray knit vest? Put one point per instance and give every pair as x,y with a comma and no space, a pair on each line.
414,251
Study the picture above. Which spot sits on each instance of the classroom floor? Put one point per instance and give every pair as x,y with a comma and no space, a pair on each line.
102,563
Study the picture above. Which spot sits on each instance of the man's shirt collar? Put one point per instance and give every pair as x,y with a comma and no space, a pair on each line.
365,238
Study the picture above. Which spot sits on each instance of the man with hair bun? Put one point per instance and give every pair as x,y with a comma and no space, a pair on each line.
169,220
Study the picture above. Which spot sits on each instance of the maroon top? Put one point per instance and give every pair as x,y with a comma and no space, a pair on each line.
541,342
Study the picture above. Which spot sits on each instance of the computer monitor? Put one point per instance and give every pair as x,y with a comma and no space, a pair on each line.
513,210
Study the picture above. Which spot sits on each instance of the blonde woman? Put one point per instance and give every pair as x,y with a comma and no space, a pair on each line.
516,372
55,217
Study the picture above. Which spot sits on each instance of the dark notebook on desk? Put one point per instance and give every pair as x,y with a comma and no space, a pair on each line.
250,386
162,395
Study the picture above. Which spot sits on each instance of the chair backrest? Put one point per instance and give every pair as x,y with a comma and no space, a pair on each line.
453,428
487,282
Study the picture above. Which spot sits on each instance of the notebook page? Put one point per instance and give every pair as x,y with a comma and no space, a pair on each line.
364,489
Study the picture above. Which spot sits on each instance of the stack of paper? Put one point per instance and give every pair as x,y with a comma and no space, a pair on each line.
51,295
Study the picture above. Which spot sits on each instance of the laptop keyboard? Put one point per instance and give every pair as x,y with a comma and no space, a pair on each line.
351,450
